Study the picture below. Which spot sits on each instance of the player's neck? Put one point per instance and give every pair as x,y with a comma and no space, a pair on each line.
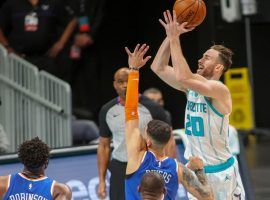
160,153
122,101
35,174
215,77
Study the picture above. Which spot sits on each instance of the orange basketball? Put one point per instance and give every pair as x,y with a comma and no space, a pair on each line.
191,11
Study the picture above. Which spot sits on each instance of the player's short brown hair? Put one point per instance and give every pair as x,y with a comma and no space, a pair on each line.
225,56
159,132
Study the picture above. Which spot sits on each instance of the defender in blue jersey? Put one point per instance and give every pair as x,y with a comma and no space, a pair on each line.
208,107
32,183
146,153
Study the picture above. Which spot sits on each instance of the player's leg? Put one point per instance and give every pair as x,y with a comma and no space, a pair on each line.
239,191
117,180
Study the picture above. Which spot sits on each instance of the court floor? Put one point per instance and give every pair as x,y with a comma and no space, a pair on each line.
258,157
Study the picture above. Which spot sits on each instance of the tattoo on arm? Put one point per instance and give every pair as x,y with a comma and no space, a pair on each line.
201,176
198,183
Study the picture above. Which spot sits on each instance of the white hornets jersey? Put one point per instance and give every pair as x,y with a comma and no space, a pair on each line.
206,130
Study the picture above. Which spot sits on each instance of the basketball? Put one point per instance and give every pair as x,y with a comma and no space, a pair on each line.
191,11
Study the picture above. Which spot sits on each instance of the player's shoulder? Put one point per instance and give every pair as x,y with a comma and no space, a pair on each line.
219,83
60,189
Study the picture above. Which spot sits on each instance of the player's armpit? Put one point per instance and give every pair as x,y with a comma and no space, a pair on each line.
196,184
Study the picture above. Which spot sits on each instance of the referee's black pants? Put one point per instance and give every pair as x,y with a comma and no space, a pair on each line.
117,180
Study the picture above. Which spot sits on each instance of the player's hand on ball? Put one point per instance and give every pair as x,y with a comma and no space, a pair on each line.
172,27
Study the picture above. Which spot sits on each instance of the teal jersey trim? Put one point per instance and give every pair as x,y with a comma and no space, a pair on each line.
212,107
219,167
221,127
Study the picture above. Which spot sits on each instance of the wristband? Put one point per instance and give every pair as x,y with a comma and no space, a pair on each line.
134,68
198,170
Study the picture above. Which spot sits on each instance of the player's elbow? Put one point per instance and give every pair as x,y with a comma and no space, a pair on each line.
154,67
157,67
182,79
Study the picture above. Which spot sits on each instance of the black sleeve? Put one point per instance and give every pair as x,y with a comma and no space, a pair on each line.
104,130
63,11
156,110
5,16
96,17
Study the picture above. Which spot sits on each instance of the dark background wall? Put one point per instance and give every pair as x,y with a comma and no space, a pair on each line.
129,22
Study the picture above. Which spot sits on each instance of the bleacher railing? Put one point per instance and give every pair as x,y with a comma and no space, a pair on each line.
33,103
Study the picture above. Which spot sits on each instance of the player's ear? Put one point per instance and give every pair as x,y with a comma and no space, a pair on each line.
148,142
139,188
114,84
164,191
46,164
219,67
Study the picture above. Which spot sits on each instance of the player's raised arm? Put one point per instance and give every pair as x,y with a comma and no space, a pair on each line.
160,65
134,140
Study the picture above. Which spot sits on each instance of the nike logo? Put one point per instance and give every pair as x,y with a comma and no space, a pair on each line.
116,115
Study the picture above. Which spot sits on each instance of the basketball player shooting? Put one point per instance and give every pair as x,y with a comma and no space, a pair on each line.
208,106
146,152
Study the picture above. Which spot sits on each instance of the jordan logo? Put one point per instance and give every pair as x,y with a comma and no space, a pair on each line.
227,178
238,196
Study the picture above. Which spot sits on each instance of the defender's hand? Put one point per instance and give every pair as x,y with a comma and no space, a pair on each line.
136,58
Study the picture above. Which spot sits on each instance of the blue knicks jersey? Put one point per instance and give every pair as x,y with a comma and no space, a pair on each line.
207,130
168,168
21,188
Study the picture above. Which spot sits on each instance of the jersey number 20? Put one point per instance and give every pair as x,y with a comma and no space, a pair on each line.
194,126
